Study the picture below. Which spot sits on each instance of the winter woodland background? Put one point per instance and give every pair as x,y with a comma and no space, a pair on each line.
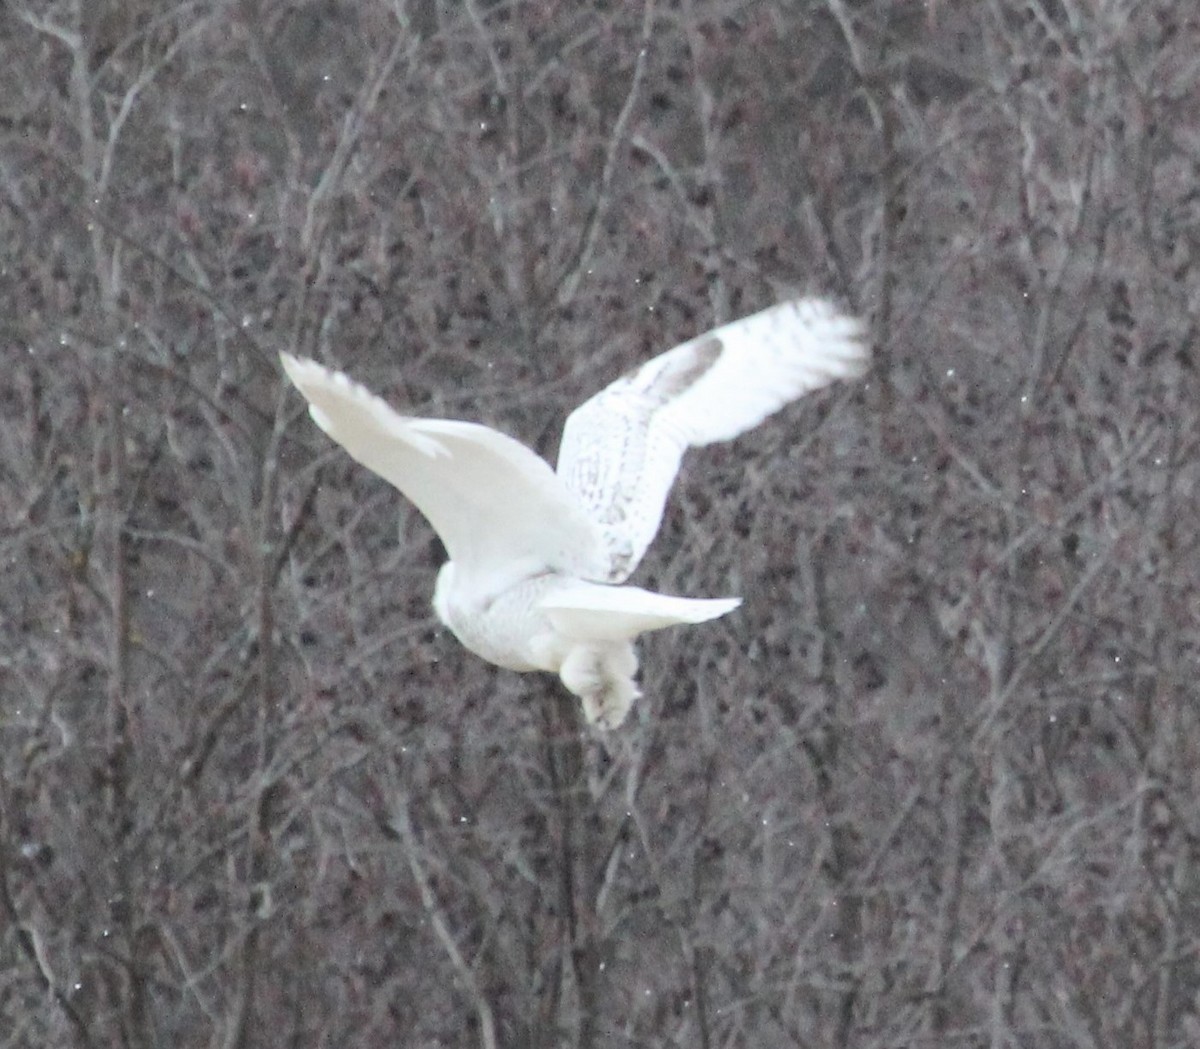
937,783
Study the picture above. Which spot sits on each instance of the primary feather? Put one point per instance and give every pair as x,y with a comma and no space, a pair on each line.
531,550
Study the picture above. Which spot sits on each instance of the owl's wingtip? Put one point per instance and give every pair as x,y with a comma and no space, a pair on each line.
295,368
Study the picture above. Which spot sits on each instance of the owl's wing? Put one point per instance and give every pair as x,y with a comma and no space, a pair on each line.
495,504
621,449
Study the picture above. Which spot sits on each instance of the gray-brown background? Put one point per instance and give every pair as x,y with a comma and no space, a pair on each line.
935,784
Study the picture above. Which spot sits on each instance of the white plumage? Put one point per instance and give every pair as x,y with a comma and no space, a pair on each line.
534,554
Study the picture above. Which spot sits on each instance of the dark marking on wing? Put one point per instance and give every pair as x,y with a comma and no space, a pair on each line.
678,378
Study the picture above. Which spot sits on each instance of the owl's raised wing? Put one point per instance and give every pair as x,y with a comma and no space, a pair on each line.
621,449
496,505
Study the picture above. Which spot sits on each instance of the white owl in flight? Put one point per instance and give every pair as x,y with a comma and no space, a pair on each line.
537,556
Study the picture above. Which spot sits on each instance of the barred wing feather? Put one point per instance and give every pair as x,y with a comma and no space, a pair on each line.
621,449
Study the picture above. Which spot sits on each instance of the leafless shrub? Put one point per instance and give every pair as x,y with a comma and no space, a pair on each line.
934,785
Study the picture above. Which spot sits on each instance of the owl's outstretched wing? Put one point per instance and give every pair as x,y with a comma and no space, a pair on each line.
496,505
621,449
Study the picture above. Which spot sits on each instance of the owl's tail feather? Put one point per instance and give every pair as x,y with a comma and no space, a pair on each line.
596,612
600,622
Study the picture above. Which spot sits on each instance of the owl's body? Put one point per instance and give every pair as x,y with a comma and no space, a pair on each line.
579,630
536,555
513,630
505,626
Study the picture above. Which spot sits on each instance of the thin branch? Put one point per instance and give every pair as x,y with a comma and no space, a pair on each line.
352,128
569,283
1043,642
31,946
707,203
129,99
401,823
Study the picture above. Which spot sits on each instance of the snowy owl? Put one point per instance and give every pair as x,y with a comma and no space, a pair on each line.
536,555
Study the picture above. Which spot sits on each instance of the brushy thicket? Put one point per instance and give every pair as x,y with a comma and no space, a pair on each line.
937,783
